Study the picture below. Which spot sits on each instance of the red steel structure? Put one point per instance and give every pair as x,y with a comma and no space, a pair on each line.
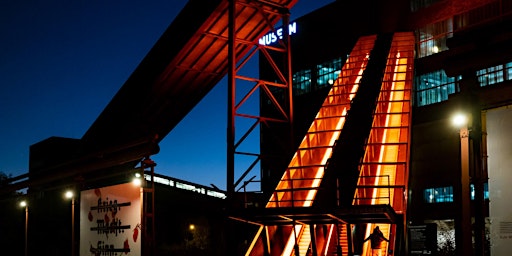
297,226
216,38
219,38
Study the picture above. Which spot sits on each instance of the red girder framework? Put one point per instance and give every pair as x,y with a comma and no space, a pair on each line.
282,71
284,82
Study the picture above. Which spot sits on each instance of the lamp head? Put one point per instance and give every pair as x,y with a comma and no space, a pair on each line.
137,180
69,194
460,120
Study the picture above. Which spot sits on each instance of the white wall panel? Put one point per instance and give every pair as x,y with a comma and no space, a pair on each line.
499,145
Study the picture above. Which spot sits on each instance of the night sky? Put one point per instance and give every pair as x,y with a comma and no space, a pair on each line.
62,61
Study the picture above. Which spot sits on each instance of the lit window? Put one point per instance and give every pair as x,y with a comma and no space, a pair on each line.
439,195
302,82
486,191
491,75
508,71
328,72
433,87
324,75
432,38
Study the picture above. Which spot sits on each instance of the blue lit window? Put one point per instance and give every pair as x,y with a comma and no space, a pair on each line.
439,195
492,75
486,191
508,71
433,87
324,75
328,72
302,82
495,74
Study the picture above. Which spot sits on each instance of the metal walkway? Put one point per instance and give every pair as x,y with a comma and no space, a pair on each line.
379,72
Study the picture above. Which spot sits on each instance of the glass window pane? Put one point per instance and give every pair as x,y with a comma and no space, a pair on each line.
433,88
438,195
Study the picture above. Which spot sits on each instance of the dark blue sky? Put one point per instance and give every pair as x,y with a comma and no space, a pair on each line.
62,61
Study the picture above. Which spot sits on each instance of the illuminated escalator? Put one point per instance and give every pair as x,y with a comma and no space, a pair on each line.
368,93
383,170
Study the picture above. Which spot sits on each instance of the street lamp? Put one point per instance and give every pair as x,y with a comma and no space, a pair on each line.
137,180
464,246
70,195
460,120
25,205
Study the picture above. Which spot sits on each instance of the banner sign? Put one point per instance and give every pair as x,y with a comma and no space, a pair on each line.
110,220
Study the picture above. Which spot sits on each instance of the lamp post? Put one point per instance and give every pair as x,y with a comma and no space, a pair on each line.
464,245
70,195
25,205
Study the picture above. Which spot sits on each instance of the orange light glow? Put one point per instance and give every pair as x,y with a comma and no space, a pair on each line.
331,229
390,130
396,115
320,158
335,97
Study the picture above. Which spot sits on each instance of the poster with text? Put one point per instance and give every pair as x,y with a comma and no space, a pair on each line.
110,220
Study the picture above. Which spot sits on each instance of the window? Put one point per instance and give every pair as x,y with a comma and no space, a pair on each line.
508,71
302,82
328,72
324,75
478,15
486,191
433,87
492,75
432,38
420,4
439,195
445,194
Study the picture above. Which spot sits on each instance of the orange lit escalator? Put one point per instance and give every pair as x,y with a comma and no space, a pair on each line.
302,178
382,169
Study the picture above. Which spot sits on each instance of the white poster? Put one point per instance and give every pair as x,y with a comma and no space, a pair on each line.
110,220
499,148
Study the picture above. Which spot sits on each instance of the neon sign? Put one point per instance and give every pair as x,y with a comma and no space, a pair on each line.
272,37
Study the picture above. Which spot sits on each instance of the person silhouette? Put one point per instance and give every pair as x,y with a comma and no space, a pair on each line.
376,241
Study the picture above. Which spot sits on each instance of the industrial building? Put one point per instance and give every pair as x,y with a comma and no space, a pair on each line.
368,91
461,65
